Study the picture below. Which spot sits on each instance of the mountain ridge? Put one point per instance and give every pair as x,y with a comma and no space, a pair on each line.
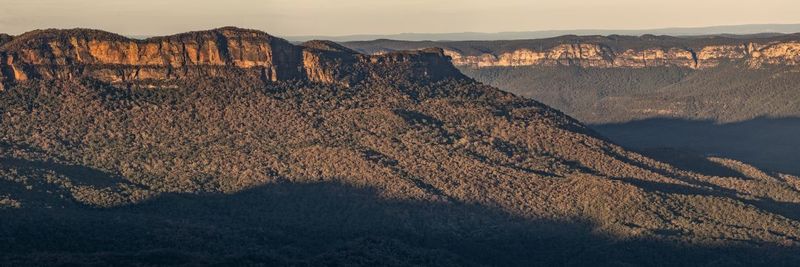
747,29
612,51
64,54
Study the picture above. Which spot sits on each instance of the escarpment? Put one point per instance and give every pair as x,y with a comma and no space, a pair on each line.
67,54
611,51
601,56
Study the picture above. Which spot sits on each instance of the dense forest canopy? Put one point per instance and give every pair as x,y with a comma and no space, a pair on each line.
410,163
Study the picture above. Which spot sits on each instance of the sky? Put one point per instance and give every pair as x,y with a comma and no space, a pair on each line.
346,17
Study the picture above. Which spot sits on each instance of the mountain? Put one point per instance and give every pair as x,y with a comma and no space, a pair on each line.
652,92
55,54
608,51
748,29
233,147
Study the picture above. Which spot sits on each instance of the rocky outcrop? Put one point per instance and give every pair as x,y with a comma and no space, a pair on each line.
604,56
335,64
425,64
776,53
67,54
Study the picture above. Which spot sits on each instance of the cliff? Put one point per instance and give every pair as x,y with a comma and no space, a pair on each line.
601,56
67,54
610,51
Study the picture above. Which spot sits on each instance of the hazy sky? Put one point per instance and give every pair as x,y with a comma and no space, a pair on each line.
343,17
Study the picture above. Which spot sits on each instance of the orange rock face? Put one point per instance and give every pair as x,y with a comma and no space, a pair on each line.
66,54
601,56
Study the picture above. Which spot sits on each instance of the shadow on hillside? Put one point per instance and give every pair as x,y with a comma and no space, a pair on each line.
79,174
328,224
769,144
786,209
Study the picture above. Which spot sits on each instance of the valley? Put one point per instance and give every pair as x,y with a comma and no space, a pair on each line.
731,96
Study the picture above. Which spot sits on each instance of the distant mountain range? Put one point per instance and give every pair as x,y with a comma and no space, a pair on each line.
465,36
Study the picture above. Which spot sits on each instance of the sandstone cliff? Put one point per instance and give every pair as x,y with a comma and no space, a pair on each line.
66,54
610,51
598,55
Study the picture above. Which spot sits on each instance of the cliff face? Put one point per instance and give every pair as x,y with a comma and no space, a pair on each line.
603,56
610,51
66,54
